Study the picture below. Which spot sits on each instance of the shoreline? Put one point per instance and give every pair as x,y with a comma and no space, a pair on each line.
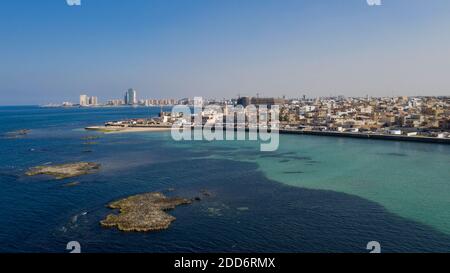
118,129
422,139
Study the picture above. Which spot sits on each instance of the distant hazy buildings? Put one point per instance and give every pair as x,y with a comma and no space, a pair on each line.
131,97
115,102
245,101
85,100
156,102
93,101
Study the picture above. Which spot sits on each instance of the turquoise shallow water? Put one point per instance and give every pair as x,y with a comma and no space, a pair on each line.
315,194
409,179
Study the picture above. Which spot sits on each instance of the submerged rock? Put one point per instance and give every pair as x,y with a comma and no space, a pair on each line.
18,133
143,212
90,137
214,212
294,172
65,170
206,193
73,184
91,143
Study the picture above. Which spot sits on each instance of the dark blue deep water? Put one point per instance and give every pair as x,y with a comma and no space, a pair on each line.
246,212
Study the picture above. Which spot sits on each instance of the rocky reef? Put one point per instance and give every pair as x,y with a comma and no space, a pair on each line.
65,170
90,143
72,184
17,134
90,137
143,213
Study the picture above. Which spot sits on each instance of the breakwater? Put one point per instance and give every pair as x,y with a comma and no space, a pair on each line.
369,136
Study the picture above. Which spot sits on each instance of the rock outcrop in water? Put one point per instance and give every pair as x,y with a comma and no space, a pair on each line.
143,212
65,170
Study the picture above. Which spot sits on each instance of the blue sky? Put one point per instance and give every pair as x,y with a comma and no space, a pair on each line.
51,52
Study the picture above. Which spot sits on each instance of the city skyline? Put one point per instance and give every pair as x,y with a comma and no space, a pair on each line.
131,98
180,49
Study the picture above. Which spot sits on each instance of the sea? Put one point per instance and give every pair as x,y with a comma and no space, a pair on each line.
314,194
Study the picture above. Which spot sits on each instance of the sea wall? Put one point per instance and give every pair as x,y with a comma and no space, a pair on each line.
370,136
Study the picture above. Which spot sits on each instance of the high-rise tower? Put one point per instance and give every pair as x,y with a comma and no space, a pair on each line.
131,97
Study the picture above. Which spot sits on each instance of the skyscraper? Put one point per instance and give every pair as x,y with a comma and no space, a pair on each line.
84,101
131,97
93,101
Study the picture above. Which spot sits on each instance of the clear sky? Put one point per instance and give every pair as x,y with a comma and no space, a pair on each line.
51,52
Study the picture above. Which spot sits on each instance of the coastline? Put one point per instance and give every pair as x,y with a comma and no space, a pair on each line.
118,129
423,139
124,174
370,136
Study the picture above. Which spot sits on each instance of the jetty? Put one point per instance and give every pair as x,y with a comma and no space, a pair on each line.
361,135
